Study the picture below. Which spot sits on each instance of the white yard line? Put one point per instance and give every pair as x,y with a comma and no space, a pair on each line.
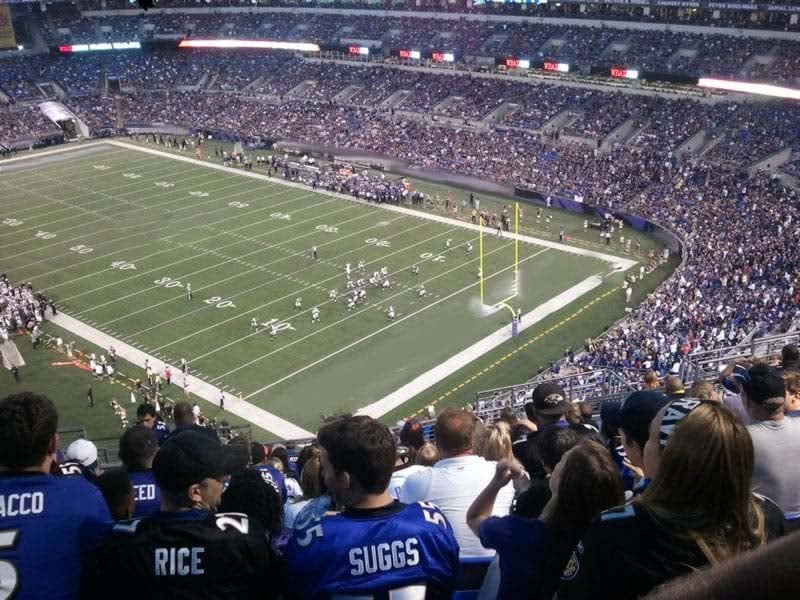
253,268
370,307
374,333
194,257
294,293
490,342
148,244
172,226
393,400
5,161
198,387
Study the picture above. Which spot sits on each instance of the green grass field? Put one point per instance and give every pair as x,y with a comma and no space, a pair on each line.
117,236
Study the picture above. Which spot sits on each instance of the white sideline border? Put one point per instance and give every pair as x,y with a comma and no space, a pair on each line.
617,262
282,427
490,342
198,387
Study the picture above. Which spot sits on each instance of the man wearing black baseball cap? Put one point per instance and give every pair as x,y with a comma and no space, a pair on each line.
550,405
776,440
185,550
635,415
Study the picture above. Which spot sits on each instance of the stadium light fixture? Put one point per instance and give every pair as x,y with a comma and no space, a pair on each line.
763,89
262,44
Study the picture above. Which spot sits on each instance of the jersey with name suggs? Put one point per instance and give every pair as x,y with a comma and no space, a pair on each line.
371,552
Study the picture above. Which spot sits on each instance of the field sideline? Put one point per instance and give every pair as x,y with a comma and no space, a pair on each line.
116,237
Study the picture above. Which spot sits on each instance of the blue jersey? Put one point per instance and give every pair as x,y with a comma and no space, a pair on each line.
273,477
145,492
48,527
161,430
400,548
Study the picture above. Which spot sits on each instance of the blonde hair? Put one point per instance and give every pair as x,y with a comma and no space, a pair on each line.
721,514
704,390
493,443
427,456
650,380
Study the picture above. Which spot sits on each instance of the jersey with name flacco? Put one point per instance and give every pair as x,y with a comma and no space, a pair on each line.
400,547
187,555
48,526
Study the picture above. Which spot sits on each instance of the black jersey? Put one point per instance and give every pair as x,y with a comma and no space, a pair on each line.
187,555
627,552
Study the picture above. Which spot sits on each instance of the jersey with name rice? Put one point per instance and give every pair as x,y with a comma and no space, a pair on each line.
146,493
408,550
49,527
191,555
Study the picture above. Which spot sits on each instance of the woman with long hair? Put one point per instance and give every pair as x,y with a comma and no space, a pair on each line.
533,552
698,509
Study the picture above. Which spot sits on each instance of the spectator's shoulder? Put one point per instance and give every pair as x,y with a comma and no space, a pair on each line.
416,486
774,519
620,516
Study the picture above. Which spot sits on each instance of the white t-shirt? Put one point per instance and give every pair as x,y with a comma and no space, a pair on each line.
399,478
452,484
293,489
291,510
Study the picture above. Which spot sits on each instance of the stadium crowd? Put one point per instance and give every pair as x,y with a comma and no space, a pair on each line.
714,210
692,53
549,504
738,15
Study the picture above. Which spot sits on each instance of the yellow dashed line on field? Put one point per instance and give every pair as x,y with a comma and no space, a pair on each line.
519,348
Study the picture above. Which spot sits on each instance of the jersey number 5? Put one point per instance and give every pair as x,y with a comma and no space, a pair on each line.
9,579
432,515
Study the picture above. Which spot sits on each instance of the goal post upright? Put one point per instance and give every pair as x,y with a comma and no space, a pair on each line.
516,243
480,253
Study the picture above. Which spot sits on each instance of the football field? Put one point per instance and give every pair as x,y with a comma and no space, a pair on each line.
116,234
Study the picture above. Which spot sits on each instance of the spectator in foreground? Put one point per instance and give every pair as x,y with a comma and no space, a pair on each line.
552,445
248,493
791,379
697,510
790,358
147,416
650,381
137,449
769,572
376,544
81,459
494,442
704,390
549,408
185,550
635,415
533,552
412,436
115,485
183,416
453,483
260,463
426,456
776,438
674,387
51,524
313,487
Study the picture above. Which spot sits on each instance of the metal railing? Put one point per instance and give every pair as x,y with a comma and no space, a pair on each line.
707,364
